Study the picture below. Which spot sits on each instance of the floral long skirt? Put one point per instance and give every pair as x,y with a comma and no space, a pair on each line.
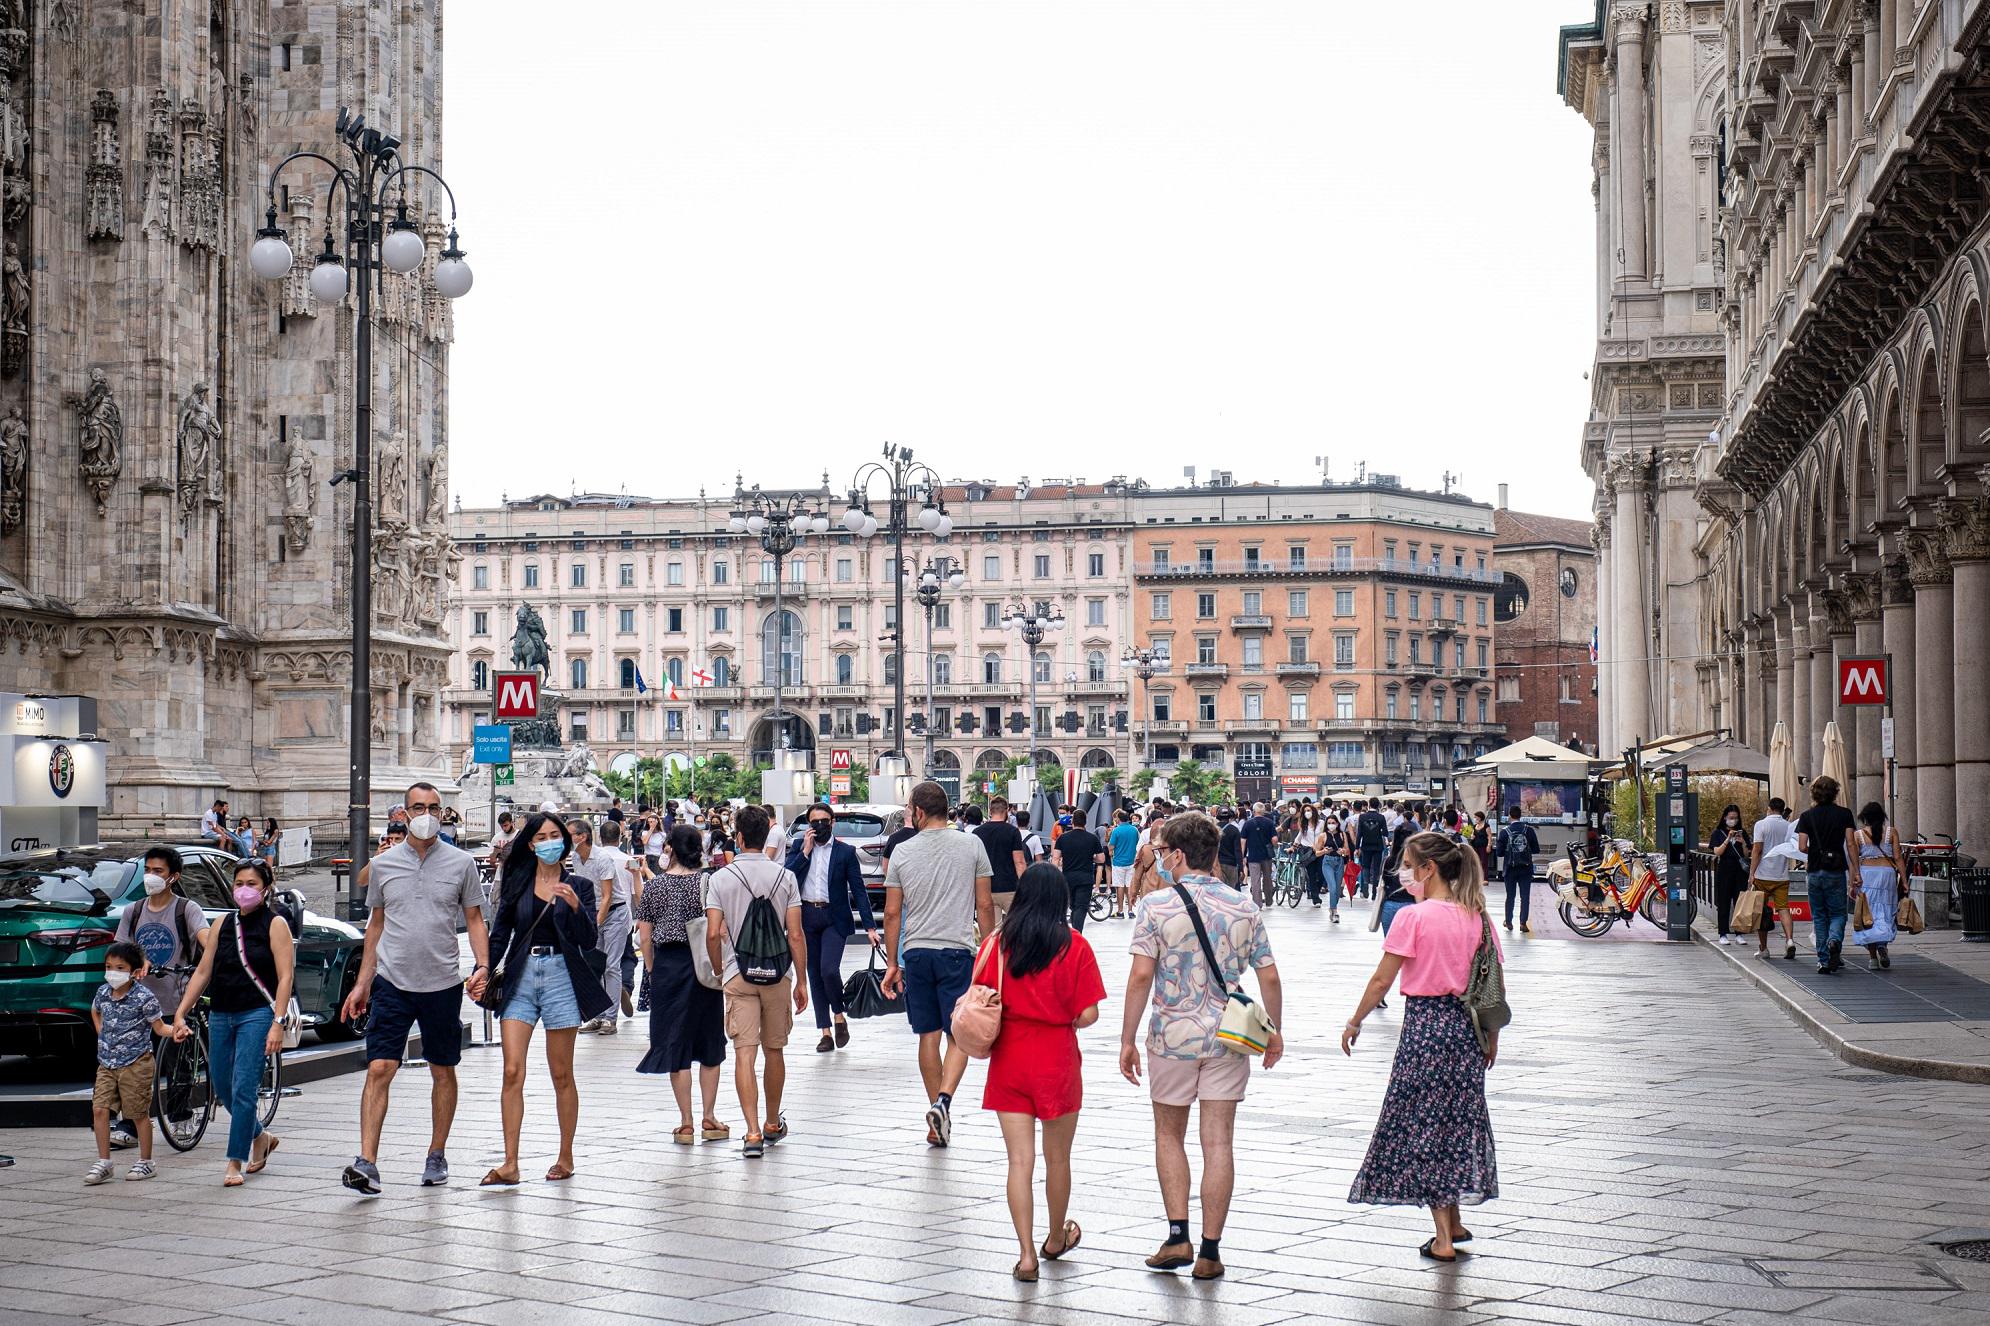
1433,1145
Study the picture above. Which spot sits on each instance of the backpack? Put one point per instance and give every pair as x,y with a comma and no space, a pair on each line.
1374,831
1521,844
760,949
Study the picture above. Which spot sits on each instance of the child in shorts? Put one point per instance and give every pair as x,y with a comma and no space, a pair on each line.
124,1012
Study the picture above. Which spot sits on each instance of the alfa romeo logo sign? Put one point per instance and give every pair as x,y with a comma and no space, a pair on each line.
61,771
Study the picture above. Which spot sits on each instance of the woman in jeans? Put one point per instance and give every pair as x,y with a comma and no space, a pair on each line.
247,967
541,932
1433,1145
1050,986
687,1019
1332,847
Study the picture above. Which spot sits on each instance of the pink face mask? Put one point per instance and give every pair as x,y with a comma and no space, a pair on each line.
1414,887
248,896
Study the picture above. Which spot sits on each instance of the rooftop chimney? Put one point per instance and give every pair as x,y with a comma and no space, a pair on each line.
1502,497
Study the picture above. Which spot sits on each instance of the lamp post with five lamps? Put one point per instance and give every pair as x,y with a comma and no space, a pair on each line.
778,520
907,481
940,573
1032,620
1144,663
372,247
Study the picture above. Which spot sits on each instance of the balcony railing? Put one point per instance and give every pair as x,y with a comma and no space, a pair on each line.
1250,621
1108,688
1309,669
1168,727
1251,725
1344,566
1207,671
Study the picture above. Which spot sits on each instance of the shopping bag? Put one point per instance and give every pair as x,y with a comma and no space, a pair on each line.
1747,916
1862,912
1909,920
863,993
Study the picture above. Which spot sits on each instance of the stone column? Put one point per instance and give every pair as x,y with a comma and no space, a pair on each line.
1629,159
1934,681
1786,670
1877,58
1823,674
1897,639
1606,632
1868,768
1800,734
1844,644
1966,524
1762,707
1629,614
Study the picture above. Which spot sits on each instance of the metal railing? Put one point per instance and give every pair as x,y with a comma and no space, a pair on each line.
1218,568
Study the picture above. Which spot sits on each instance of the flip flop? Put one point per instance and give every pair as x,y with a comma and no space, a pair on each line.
1072,1237
232,1180
558,1173
684,1135
1028,1277
256,1166
1427,1251
497,1179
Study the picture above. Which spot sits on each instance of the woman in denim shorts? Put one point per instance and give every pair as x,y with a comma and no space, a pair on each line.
542,931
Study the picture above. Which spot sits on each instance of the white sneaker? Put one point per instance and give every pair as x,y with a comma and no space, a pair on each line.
100,1172
139,1172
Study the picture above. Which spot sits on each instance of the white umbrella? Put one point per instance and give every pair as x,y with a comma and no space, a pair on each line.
1833,764
1782,765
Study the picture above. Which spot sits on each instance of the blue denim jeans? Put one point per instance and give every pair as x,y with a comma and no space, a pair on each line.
235,1062
1389,910
1330,871
1828,910
1371,870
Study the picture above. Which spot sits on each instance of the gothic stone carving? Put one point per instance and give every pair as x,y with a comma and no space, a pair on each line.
102,439
299,494
393,577
298,301
1629,474
199,451
1862,594
435,480
392,480
200,185
13,470
1927,560
104,176
1837,605
156,216
14,320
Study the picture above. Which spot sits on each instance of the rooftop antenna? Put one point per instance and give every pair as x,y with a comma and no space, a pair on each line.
1188,472
1361,472
1321,461
1449,479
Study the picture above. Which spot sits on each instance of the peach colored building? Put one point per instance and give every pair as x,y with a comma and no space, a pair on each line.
1323,639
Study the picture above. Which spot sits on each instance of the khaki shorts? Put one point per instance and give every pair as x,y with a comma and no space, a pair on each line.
126,1090
1185,1081
1778,891
760,1015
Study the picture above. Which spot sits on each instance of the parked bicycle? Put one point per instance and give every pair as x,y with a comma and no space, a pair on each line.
1939,860
1288,878
1614,888
183,1098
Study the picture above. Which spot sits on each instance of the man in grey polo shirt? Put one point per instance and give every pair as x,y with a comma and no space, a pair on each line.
410,974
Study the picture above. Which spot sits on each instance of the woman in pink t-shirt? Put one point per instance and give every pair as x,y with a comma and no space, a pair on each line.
1433,1145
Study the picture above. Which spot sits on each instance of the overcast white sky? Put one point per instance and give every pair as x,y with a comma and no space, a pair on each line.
1057,240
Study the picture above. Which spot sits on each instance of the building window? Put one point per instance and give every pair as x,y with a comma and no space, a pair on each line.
1205,606
1095,665
845,570
721,619
1343,603
1458,706
1041,720
577,575
1163,649
943,616
1205,707
626,668
625,621
1388,603
943,718
1158,605
1251,562
1416,707
721,572
991,616
673,722
625,574
1254,704
1253,653
1295,557
1161,708
577,621
1343,704
1295,603
1416,606
1343,556
1482,709
1482,611
577,673
577,726
722,722
1095,564
1458,655
480,676
1295,703
1295,648
1482,656
480,623
1344,755
1160,559
781,648
991,669
1389,643
673,668
1095,612
890,617
1416,649
943,669
1205,649
532,575
844,666
845,617
1254,603
1040,669
673,620
1040,565
1343,651
991,567
722,671
1389,703
1299,755
480,576
1458,609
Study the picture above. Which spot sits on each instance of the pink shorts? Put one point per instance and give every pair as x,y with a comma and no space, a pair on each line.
1185,1081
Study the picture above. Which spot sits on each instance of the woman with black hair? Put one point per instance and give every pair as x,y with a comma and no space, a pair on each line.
542,931
1050,986
687,1019
1730,843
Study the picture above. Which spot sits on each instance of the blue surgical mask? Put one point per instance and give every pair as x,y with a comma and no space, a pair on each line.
1167,875
551,851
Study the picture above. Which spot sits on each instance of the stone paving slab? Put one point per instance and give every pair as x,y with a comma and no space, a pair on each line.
1635,1188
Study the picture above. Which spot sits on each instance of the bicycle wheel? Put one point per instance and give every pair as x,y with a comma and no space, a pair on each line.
1587,924
1654,908
270,1090
1101,905
182,1095
1295,892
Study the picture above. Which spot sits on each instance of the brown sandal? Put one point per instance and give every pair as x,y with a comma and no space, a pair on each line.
1028,1277
558,1173
496,1179
684,1135
260,1153
1073,1236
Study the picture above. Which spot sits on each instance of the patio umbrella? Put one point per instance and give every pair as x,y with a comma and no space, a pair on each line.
1782,765
1834,757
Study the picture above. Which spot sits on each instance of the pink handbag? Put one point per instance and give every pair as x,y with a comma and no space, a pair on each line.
978,1013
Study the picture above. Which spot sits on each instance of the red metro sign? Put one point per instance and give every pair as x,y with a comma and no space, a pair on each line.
1861,681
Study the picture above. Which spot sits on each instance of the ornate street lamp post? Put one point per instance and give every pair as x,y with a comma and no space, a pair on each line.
1143,663
373,246
1032,620
907,481
778,520
940,573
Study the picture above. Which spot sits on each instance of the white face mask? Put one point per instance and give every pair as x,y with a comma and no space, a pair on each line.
424,826
155,885
117,980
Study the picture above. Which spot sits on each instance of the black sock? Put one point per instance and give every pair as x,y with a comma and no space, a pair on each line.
1208,1251
947,1099
1177,1232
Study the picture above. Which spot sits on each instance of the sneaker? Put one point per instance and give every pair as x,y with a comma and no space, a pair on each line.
1790,951
1334,916
435,1170
589,1027
753,1148
778,1132
139,1172
608,1027
1825,969
1837,956
939,1123
1885,957
100,1172
123,1135
362,1176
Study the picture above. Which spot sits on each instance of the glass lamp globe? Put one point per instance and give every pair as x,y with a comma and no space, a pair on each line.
270,258
944,526
453,278
756,523
869,527
403,249
957,579
853,519
328,281
820,524
928,580
737,524
929,518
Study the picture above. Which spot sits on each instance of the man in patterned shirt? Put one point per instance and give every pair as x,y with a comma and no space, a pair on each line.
1186,1064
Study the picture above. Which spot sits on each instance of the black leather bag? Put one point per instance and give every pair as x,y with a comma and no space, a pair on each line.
863,993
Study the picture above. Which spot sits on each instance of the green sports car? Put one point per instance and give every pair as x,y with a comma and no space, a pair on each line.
59,911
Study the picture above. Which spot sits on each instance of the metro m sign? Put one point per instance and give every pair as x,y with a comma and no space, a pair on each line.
515,694
1861,681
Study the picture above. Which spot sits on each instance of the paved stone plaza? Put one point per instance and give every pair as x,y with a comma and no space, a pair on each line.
1672,1148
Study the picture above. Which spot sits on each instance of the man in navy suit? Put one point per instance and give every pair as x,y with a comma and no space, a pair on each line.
831,883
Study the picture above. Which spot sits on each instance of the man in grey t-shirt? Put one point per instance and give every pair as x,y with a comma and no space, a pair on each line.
410,974
936,897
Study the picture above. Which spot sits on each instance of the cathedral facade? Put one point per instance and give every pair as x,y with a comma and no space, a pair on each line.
170,542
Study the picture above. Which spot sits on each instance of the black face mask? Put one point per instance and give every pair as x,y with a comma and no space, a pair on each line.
822,829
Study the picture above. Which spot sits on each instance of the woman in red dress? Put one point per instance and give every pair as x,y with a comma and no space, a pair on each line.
1050,986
